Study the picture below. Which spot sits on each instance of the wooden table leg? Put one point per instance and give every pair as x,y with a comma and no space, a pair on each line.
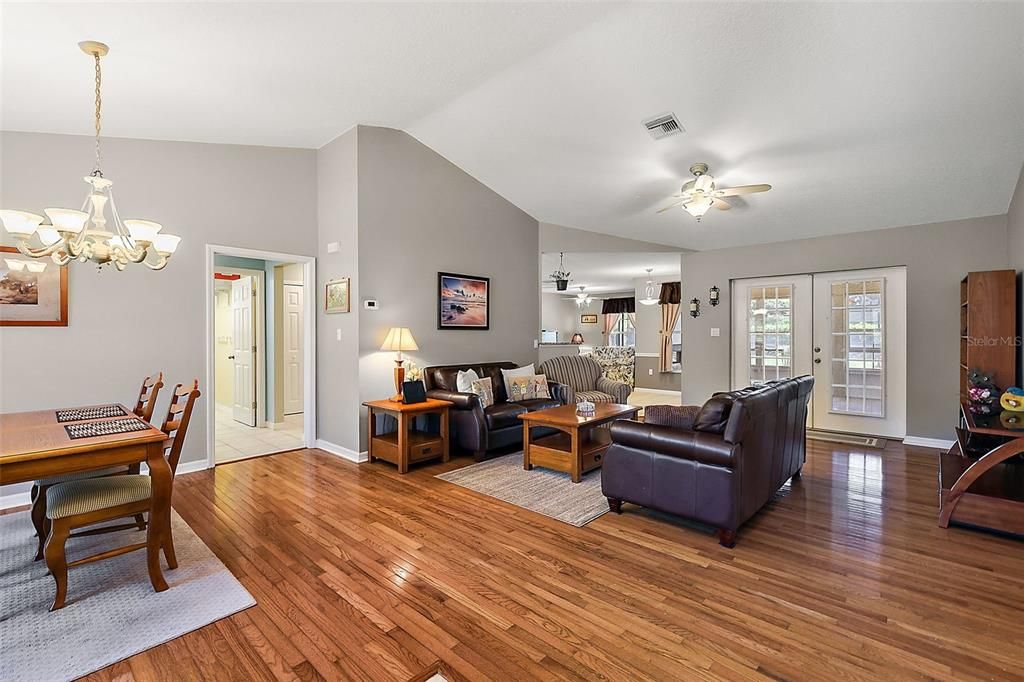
371,431
526,446
444,435
403,443
159,512
574,449
974,472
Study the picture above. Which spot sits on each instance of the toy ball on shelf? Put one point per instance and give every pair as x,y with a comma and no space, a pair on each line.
1012,400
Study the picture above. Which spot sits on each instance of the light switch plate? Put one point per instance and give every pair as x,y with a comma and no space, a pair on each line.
650,372
338,334
715,331
333,247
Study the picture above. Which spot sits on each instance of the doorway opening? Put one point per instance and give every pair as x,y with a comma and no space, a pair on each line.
847,329
260,359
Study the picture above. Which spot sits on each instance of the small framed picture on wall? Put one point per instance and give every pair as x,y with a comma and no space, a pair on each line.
33,292
588,319
336,296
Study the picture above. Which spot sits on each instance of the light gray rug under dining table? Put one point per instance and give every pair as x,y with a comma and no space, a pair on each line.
112,611
547,492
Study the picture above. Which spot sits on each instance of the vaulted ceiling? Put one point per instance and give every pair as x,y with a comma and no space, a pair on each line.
861,116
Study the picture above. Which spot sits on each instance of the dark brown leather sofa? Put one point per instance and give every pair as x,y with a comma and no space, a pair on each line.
476,429
717,465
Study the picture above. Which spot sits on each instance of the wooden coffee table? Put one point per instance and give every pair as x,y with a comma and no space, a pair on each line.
579,445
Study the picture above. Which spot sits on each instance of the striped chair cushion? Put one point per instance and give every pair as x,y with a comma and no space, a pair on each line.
81,475
594,397
82,497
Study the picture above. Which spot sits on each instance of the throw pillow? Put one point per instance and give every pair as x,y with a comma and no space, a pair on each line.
507,374
464,380
484,391
529,388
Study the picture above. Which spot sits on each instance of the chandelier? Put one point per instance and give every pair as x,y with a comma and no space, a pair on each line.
649,298
583,298
88,235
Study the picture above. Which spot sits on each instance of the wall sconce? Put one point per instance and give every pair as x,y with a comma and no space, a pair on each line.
713,296
694,307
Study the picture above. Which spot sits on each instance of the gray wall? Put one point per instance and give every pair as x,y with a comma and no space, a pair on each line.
420,214
1015,227
648,340
936,255
554,238
338,360
558,312
125,325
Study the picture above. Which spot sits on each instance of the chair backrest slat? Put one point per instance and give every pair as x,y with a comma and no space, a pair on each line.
146,403
178,414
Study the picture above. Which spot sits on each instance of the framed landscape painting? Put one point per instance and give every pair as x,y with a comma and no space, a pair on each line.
463,301
33,292
588,319
336,296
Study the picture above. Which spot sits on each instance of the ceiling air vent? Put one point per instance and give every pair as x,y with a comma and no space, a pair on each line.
663,125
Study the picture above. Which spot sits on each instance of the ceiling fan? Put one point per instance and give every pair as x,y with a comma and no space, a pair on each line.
697,196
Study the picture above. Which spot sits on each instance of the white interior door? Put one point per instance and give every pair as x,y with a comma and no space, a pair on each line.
771,329
293,355
860,352
243,302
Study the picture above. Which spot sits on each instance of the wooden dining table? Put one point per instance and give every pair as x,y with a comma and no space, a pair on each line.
35,445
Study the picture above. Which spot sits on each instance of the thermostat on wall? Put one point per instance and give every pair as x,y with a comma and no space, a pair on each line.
371,304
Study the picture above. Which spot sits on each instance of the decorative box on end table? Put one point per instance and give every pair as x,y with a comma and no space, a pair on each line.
407,445
579,446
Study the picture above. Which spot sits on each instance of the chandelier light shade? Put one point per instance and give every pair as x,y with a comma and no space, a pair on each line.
95,233
583,298
649,294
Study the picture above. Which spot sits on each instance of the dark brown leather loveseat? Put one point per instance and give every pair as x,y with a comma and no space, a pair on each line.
717,465
474,428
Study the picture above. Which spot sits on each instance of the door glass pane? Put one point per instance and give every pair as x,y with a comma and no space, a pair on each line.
858,338
770,325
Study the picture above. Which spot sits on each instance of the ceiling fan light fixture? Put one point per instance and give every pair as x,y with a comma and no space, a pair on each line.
698,207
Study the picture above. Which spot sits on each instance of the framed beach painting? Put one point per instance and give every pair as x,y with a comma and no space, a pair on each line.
463,301
33,291
336,296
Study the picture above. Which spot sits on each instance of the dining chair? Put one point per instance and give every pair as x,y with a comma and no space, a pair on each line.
76,504
144,406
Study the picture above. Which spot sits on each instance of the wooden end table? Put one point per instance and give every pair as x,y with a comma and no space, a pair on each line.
579,445
407,445
988,491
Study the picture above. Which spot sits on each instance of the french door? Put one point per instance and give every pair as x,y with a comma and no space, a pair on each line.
848,329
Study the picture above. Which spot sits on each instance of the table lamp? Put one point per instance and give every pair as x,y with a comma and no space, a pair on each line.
399,339
577,338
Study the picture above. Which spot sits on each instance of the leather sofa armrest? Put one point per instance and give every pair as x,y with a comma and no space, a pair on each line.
619,389
706,448
461,401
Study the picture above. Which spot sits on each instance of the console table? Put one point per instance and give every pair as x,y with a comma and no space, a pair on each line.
984,487
407,445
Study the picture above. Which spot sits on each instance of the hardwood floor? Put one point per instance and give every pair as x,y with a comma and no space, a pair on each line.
360,573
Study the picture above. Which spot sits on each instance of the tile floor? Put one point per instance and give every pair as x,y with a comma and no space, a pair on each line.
237,441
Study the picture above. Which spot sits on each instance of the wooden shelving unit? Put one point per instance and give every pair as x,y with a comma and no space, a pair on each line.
988,324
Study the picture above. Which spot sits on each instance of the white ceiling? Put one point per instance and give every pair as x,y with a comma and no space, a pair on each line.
861,115
603,273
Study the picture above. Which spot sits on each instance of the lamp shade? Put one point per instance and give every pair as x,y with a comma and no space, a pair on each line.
399,339
577,338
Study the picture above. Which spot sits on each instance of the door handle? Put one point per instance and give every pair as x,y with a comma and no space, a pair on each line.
817,361
231,357
817,349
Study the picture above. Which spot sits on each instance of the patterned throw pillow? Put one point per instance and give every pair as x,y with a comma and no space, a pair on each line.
484,391
529,388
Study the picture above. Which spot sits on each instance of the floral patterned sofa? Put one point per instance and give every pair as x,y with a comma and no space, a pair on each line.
618,364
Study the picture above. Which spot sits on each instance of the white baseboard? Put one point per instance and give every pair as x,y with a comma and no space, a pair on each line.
15,500
922,442
660,391
647,355
344,453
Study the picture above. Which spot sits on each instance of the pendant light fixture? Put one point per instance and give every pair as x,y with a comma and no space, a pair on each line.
583,298
88,234
649,297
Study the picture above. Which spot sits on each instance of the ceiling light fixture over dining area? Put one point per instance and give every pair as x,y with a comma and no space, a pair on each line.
88,234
